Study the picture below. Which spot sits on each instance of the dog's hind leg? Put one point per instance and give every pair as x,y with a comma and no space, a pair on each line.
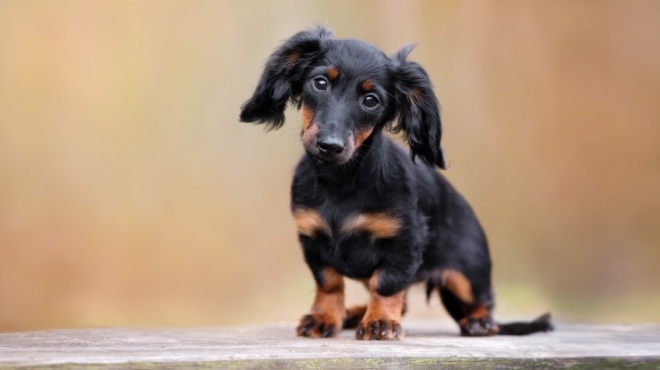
474,316
457,295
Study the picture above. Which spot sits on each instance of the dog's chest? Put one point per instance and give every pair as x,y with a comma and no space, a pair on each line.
374,225
347,241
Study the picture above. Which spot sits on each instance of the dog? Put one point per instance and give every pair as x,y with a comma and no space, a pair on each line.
364,207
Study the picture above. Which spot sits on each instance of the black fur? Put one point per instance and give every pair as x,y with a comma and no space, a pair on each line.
282,79
423,227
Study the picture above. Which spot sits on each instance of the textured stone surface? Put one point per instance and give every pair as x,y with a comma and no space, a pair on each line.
428,344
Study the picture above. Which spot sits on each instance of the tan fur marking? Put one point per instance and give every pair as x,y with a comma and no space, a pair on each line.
383,309
372,283
478,322
328,307
292,59
367,85
388,307
333,281
332,73
378,224
480,312
307,117
362,135
309,222
458,284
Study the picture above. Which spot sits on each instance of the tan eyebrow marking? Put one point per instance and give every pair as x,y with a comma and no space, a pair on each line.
367,85
332,73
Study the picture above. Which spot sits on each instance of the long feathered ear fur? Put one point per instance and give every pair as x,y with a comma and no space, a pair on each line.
418,109
282,79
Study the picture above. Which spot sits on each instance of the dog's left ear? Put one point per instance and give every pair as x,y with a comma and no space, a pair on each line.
283,75
418,109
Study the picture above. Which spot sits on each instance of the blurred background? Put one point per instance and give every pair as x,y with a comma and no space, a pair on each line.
131,195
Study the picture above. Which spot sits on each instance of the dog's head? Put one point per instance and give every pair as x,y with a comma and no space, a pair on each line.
346,91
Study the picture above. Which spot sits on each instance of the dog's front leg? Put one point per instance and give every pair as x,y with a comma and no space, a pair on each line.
327,314
383,317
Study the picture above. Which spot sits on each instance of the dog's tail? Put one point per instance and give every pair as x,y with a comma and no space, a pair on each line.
541,324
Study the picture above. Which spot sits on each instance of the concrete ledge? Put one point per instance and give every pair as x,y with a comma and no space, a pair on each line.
428,344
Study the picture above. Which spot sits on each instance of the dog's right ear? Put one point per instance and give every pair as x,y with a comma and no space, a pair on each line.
283,75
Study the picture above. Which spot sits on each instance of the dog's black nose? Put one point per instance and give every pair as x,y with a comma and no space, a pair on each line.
330,146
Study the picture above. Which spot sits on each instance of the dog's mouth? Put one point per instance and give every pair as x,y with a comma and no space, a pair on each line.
327,149
323,155
328,158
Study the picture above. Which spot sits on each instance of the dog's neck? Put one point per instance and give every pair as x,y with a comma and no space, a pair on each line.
359,168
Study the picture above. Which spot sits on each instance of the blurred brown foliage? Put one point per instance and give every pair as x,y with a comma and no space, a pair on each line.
130,194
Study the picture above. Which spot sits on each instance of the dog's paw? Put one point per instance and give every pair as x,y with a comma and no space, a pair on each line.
478,327
379,329
317,326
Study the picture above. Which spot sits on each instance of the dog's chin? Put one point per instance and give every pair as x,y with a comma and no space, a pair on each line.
329,159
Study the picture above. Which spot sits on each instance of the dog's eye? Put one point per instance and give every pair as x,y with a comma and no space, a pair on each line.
320,84
370,101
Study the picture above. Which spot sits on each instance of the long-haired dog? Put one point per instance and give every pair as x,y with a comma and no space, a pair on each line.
364,207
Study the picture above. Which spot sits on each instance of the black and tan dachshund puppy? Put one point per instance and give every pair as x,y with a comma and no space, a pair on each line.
364,207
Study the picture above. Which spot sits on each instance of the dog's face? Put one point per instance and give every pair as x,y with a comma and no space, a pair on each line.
347,90
345,95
